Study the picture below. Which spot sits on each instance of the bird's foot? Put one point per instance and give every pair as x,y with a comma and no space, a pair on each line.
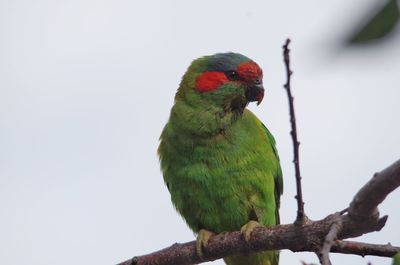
202,241
248,228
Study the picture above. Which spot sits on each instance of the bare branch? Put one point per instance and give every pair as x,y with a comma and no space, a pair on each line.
307,237
374,192
293,237
329,240
339,246
364,249
301,216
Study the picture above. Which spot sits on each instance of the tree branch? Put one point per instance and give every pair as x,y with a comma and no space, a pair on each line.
301,216
364,249
365,202
307,237
329,240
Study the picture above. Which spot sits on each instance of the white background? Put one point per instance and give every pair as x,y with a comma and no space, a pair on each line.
86,88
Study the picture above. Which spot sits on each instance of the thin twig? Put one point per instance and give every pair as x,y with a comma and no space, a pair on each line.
364,249
323,260
301,216
330,239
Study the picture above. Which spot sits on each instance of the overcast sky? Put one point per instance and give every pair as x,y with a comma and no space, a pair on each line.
86,88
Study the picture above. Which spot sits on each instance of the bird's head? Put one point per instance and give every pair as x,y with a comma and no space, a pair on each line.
227,81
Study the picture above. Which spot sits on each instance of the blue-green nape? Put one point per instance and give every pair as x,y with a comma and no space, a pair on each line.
223,62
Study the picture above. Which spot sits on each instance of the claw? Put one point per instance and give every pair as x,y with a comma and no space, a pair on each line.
248,228
202,241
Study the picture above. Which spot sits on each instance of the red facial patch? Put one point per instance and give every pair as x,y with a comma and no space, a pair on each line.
210,81
249,70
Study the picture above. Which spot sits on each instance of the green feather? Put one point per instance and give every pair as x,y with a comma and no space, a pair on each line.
220,165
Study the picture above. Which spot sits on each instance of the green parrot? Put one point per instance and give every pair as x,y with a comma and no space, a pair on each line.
219,162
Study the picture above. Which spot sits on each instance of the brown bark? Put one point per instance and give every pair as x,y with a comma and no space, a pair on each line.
362,218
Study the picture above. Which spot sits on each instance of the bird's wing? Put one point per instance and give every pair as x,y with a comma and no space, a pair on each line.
278,174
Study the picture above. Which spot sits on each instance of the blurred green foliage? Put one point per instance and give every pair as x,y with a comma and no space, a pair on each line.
379,26
396,259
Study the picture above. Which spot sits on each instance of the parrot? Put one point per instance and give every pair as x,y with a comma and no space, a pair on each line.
218,160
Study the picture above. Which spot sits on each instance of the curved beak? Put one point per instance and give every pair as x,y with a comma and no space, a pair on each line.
255,92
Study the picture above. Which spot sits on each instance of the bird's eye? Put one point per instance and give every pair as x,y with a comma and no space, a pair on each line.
232,75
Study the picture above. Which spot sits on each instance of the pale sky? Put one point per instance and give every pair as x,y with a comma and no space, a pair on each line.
86,88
